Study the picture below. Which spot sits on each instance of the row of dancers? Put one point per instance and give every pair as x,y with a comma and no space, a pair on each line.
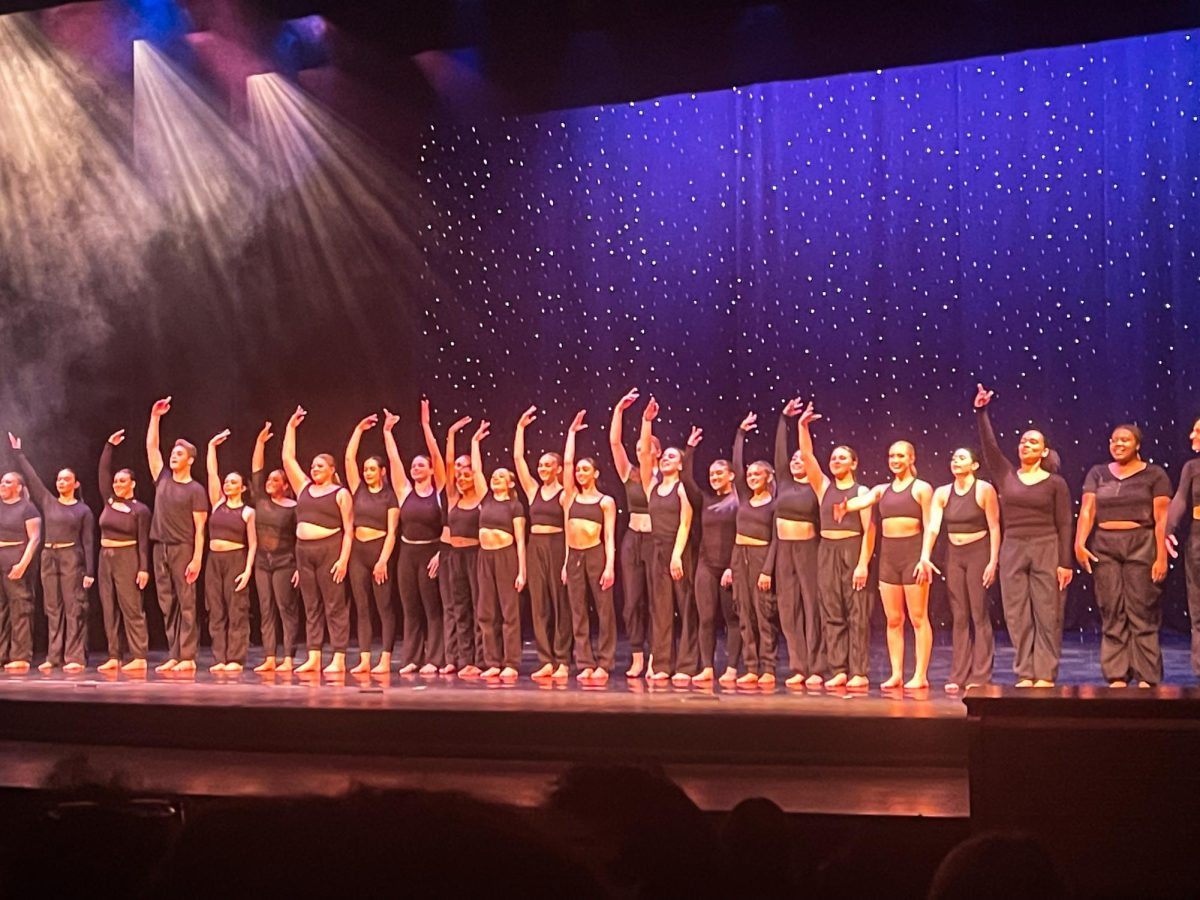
774,549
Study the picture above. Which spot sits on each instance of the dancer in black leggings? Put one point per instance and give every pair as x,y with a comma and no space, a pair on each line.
637,546
1035,554
68,563
232,544
1185,505
671,570
124,568
589,568
501,565
324,535
461,565
376,518
718,505
275,574
20,531
1127,500
420,529
551,610
971,513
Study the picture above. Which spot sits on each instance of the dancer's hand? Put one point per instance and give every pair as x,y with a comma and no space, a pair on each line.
982,396
338,570
1064,577
859,579
1085,557
727,578
696,436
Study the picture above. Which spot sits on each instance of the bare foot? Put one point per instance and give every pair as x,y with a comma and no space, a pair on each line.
916,684
1118,683
658,677
217,667
383,667
490,672
407,670
599,676
74,668
748,678
972,684
729,676
337,665
544,672
681,679
363,666
186,666
134,665
636,665
469,671
767,680
1024,683
287,665
508,673
45,666
266,666
233,668
951,687
704,676
1145,684
562,673
858,683
584,674
168,666
1043,683
892,683
796,680
448,669
837,681
814,681
16,667
312,664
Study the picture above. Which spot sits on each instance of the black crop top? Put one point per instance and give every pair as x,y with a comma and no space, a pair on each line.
62,523
665,513
589,512
421,517
133,525
371,507
963,514
901,504
322,511
546,512
756,521
464,521
13,517
226,524
500,514
718,514
274,525
635,495
1128,499
796,501
833,496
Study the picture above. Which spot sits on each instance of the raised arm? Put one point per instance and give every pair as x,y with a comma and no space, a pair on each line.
431,447
477,475
353,477
993,456
645,453
291,468
570,486
615,438
214,474
812,467
400,483
688,473
153,452
747,425
790,409
528,484
37,490
451,482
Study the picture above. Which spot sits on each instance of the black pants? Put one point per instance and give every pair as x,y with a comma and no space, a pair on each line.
795,587
584,569
758,610
499,613
325,603
636,558
16,609
553,614
458,578
424,641
363,556
671,600
1033,604
228,608
121,602
177,599
845,612
1130,613
713,599
974,645
66,604
1192,568
277,602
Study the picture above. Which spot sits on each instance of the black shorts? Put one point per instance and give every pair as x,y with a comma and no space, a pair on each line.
898,557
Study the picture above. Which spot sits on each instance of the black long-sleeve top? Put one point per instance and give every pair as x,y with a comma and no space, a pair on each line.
1187,495
62,523
1027,510
718,512
130,524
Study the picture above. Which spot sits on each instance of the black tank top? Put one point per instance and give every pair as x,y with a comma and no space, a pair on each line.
227,524
371,507
665,513
323,511
963,514
590,512
833,496
797,501
421,517
463,522
896,504
635,495
546,512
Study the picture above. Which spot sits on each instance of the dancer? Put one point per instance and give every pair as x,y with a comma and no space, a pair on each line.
797,542
275,575
714,573
20,531
671,566
590,563
232,545
324,536
552,613
637,546
1186,505
754,546
462,564
903,512
971,512
1127,500
420,530
843,558
1035,553
501,565
68,563
177,530
376,517
124,569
